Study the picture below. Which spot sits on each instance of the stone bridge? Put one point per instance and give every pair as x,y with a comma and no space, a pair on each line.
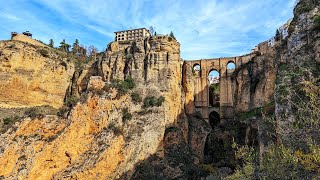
223,106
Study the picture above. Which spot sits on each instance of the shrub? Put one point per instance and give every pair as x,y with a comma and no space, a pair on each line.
123,86
152,101
98,92
279,163
197,114
71,101
7,121
44,52
317,22
126,115
303,7
62,111
84,97
136,97
33,113
149,102
116,130
160,100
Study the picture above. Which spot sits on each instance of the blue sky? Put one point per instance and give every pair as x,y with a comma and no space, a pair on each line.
205,28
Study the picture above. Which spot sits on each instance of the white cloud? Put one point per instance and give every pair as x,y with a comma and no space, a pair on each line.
10,17
205,28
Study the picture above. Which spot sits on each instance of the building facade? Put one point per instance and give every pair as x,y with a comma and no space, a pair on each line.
284,29
133,34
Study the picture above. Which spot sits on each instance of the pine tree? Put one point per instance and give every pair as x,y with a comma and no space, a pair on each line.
51,43
76,47
277,35
172,35
151,30
64,46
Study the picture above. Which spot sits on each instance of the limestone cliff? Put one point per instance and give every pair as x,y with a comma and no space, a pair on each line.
254,82
98,139
32,75
132,112
297,91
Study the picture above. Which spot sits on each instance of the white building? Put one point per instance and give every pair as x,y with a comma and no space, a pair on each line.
271,41
133,34
213,79
284,29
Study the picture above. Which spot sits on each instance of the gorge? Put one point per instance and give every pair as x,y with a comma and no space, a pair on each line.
138,111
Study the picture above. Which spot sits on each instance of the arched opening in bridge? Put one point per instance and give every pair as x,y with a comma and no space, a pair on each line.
214,119
214,88
231,66
196,69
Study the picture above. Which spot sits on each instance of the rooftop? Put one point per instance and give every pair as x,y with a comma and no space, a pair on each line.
131,30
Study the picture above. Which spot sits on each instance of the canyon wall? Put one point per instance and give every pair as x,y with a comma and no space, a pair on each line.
32,75
116,130
97,139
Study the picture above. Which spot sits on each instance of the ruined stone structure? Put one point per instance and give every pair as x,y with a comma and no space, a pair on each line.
13,34
201,84
26,37
134,34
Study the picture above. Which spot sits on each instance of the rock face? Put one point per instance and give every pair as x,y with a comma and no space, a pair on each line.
297,88
254,82
98,140
24,38
117,132
32,76
154,64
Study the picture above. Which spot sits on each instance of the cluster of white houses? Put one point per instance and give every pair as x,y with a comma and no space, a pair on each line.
283,31
133,34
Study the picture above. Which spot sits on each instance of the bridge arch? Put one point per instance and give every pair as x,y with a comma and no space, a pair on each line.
214,119
214,88
222,101
231,66
196,69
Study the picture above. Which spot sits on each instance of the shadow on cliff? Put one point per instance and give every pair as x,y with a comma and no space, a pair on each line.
175,157
190,146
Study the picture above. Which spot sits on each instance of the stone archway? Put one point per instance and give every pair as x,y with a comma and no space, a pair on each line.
214,88
214,119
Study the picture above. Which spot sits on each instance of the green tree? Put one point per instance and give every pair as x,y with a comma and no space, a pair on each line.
51,43
64,46
172,35
317,22
76,47
151,30
277,35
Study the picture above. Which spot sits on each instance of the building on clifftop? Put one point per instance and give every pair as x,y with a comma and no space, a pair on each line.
133,34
